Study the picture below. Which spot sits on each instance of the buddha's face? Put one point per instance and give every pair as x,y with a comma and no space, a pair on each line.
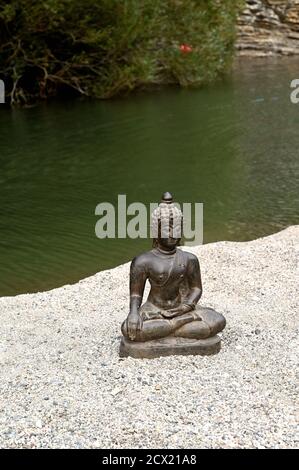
169,237
169,243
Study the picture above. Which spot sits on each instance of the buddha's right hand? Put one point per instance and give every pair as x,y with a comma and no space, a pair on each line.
134,325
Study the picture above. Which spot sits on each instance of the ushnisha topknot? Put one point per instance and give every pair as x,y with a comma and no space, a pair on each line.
167,218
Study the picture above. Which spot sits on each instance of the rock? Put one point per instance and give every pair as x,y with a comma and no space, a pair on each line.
38,423
268,27
116,391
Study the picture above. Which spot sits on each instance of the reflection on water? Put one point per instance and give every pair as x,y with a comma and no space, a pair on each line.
232,146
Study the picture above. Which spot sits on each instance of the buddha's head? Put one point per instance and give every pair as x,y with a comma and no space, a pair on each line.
167,223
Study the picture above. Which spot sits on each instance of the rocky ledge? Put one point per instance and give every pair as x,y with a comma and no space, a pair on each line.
268,27
63,383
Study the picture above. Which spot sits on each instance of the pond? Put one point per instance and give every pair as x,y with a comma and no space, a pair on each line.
233,146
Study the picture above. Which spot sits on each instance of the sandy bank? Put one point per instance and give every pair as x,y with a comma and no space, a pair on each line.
63,384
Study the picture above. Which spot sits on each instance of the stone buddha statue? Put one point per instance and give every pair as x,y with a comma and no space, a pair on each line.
170,321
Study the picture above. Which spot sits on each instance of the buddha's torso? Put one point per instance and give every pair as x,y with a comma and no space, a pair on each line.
166,274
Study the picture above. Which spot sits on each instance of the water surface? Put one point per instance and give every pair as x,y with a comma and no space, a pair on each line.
233,146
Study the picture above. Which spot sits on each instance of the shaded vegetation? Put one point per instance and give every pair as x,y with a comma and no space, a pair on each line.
101,48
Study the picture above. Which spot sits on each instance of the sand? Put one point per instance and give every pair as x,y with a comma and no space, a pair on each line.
64,385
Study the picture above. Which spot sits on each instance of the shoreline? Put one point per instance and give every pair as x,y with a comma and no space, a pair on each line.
64,384
193,249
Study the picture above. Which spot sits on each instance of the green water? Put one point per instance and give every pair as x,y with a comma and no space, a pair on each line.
233,146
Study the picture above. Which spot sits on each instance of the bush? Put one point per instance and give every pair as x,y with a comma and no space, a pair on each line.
101,48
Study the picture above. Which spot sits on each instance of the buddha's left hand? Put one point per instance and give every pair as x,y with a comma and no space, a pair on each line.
175,312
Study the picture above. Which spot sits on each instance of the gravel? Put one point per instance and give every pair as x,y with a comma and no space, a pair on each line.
63,384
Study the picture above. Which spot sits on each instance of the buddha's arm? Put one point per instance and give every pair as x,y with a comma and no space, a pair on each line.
138,278
194,282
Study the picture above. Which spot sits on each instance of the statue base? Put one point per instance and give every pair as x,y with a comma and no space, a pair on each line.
169,346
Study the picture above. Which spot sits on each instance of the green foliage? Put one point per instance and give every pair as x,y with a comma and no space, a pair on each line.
104,47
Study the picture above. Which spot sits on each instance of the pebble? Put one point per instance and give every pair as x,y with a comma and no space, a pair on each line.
116,391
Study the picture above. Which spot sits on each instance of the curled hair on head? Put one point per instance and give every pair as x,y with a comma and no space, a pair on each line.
165,217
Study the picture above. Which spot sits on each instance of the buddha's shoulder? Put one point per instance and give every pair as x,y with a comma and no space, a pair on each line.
142,260
190,257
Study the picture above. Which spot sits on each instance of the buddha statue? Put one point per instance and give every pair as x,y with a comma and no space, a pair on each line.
170,321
